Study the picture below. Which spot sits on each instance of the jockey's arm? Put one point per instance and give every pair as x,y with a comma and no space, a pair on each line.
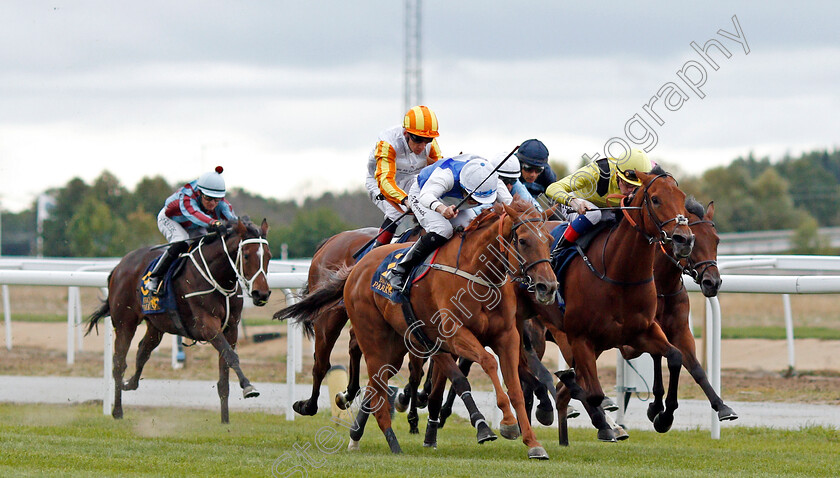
439,183
580,184
386,171
502,194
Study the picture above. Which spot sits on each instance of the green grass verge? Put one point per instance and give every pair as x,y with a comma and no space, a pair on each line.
78,441
775,333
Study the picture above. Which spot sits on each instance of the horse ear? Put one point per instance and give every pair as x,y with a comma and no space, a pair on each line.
550,212
264,227
710,211
240,228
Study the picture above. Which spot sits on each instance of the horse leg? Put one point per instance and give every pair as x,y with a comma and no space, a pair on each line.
327,330
507,348
685,343
423,395
227,354
124,329
381,371
435,397
656,406
464,366
150,341
415,376
561,401
538,379
654,342
464,344
446,368
343,399
592,395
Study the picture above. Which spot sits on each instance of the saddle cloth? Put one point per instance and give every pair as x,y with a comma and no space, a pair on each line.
163,299
400,240
381,286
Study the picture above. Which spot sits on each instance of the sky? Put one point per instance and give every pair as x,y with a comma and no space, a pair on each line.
290,96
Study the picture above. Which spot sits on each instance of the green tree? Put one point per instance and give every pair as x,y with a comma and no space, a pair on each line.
107,188
150,194
309,228
807,239
67,200
94,232
776,209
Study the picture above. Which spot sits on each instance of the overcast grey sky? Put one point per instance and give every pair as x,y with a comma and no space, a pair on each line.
290,96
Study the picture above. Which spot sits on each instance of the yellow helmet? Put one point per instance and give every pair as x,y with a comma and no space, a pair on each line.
421,121
635,159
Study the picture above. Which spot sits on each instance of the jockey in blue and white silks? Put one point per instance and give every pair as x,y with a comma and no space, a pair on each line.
433,197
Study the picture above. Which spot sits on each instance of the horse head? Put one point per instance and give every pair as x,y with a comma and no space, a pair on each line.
702,263
252,256
662,216
530,251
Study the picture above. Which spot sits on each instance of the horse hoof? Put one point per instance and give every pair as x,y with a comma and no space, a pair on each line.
422,399
413,430
301,407
620,433
250,392
341,400
353,445
727,413
444,414
401,404
537,453
608,405
654,410
572,412
545,417
128,386
484,433
510,432
662,423
430,445
606,435
565,375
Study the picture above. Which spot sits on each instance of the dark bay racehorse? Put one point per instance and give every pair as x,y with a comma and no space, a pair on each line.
486,316
208,305
611,298
330,256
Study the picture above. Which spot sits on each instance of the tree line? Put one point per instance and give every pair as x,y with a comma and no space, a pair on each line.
106,219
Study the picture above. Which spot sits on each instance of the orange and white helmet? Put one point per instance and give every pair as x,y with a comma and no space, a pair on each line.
421,121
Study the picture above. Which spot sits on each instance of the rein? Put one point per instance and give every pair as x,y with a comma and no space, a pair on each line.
238,269
690,267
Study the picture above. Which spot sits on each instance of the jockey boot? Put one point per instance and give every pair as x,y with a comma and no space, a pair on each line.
386,233
169,255
398,275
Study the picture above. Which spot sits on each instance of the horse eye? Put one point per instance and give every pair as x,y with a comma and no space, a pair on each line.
654,200
523,242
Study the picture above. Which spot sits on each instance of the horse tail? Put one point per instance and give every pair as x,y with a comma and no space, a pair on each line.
307,309
103,311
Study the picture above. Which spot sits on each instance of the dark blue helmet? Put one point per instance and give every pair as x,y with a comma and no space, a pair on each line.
533,153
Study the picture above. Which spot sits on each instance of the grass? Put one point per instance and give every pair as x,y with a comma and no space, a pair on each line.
78,441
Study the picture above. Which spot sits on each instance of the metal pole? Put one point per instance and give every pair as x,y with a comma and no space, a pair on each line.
71,322
619,387
789,333
715,359
291,353
7,314
78,322
108,368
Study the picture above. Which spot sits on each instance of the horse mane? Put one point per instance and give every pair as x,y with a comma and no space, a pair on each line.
250,226
693,206
518,204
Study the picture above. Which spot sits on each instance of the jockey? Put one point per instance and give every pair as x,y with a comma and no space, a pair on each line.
536,174
399,155
433,197
509,173
588,188
193,210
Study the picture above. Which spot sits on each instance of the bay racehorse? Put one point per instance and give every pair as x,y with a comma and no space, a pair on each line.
610,297
459,308
206,293
331,255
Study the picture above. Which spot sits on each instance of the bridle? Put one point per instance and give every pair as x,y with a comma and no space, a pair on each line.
691,268
522,277
237,265
664,238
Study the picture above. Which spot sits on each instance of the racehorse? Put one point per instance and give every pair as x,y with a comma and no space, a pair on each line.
208,307
611,298
331,255
673,305
485,316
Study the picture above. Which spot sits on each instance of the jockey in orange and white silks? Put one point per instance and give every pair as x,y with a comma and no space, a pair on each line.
399,155
589,188
433,197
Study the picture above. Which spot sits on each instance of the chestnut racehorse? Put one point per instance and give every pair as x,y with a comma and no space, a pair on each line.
208,303
484,316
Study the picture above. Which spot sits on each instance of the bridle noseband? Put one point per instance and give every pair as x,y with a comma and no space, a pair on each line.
664,238
522,276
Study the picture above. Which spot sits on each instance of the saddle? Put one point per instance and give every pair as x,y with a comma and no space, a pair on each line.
400,240
564,257
163,300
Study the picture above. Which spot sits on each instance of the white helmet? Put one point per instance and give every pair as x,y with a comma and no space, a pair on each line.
474,173
212,184
510,168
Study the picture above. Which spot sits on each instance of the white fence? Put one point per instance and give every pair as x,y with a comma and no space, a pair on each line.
288,276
